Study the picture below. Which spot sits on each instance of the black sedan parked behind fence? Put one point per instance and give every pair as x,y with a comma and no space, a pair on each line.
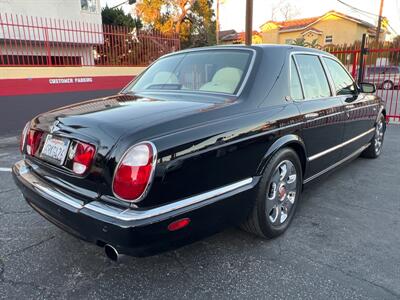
203,139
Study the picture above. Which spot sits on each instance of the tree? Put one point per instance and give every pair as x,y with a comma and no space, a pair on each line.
300,42
164,15
313,44
191,19
284,10
198,29
116,16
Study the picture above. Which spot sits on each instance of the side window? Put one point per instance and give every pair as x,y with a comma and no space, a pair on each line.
315,83
295,86
344,84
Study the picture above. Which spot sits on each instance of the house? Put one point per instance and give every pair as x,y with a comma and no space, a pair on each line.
331,28
233,37
50,30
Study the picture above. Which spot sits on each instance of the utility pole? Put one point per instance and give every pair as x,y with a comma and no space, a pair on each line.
249,22
378,28
217,24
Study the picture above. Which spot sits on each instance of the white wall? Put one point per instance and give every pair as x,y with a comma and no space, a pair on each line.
63,14
59,9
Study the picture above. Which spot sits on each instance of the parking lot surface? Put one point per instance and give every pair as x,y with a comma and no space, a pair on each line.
344,243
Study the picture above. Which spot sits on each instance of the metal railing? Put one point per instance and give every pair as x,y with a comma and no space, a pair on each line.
378,64
38,41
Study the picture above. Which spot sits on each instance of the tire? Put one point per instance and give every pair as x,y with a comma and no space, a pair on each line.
273,201
387,85
375,148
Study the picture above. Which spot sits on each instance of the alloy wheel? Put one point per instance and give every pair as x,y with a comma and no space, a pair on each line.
281,192
387,85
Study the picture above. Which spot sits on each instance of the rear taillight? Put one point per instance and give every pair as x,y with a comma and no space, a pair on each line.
133,173
81,155
23,137
33,141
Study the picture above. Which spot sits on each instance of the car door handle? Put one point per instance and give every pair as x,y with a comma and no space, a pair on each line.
311,116
350,106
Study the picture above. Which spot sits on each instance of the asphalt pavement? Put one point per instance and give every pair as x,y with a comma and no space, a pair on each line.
343,244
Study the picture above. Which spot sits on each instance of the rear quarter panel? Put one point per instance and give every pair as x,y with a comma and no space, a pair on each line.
218,153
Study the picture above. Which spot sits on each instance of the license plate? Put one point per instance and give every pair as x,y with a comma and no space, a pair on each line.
55,149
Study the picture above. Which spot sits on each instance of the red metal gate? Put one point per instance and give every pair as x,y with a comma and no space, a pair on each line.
380,65
33,41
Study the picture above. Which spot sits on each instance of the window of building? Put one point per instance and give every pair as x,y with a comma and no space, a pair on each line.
329,39
344,84
295,86
89,5
312,74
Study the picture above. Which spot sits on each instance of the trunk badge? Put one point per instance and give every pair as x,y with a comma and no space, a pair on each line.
54,127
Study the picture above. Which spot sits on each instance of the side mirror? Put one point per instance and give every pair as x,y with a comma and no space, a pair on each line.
368,88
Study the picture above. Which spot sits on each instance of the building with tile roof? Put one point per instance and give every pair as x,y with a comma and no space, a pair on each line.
331,28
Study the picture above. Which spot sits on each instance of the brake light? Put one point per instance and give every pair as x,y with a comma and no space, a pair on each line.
134,171
23,137
81,155
33,141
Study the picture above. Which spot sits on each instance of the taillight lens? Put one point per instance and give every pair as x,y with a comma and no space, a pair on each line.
81,155
33,141
23,137
133,173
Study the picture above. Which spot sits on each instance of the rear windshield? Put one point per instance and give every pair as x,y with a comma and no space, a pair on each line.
219,71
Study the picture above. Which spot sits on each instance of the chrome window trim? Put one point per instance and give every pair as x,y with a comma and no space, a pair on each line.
292,58
319,56
327,151
26,177
331,167
331,78
326,71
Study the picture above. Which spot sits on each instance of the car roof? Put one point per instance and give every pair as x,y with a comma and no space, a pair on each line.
263,47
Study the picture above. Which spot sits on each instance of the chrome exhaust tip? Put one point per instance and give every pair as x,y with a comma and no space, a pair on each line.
111,253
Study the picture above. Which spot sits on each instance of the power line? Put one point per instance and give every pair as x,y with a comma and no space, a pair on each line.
365,13
357,9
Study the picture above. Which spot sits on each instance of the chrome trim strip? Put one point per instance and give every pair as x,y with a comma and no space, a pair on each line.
25,175
60,197
324,117
318,155
136,215
361,107
336,164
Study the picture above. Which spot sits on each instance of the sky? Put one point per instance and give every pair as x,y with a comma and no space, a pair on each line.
232,12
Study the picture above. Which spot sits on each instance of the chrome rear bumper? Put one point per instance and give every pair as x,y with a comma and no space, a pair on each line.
25,175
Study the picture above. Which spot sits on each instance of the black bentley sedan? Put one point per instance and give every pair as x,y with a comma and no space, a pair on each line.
201,140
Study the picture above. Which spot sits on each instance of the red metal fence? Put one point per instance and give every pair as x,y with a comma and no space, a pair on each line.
380,65
33,41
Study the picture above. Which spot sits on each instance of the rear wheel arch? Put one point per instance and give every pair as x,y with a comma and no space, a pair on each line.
291,141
